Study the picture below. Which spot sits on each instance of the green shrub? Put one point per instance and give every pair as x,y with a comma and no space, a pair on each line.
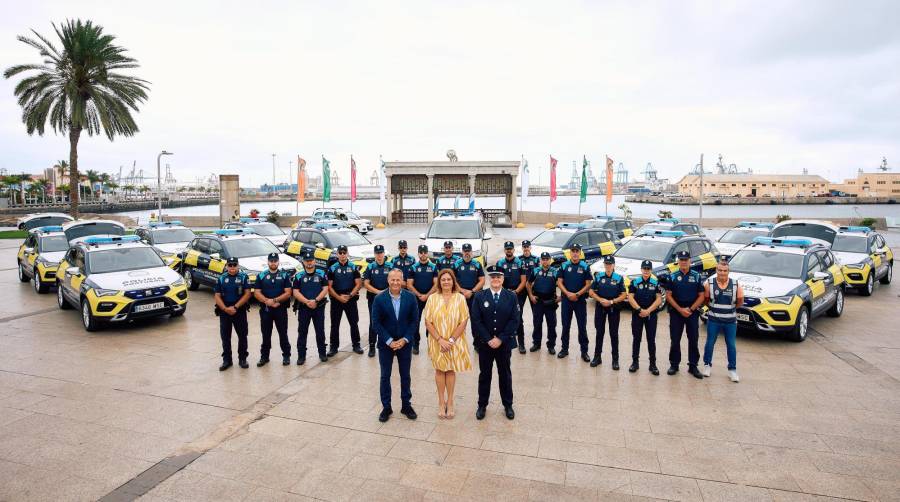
782,217
664,213
272,217
867,222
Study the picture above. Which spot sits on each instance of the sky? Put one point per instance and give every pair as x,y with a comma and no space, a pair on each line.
773,86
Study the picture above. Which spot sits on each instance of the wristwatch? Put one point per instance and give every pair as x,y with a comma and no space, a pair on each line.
452,340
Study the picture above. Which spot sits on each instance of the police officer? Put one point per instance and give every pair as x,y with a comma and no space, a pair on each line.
469,274
403,260
375,280
645,297
449,259
421,280
541,287
344,283
514,280
273,292
608,290
232,294
685,298
310,295
574,280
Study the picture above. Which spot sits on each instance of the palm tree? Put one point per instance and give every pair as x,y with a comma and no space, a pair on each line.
104,181
128,188
92,177
62,191
42,185
59,171
78,88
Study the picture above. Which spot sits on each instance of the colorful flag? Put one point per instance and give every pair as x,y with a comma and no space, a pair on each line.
525,182
471,202
301,179
583,193
352,179
609,179
326,180
552,179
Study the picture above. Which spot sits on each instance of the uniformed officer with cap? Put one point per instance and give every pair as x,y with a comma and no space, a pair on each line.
469,274
645,297
375,280
273,292
514,280
541,287
403,260
495,315
686,295
421,280
574,280
529,262
344,283
232,292
608,290
310,297
449,259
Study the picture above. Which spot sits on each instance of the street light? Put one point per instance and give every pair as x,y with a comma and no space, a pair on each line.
273,175
159,183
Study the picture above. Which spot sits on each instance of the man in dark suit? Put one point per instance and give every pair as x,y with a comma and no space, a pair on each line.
495,319
395,319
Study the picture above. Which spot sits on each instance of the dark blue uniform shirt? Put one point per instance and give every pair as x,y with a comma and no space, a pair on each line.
529,263
343,277
512,272
232,287
445,262
608,286
543,282
310,284
685,287
644,291
423,275
272,284
468,272
377,274
574,275
403,263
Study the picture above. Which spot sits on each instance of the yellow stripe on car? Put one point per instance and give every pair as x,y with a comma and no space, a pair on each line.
607,248
709,261
627,232
191,258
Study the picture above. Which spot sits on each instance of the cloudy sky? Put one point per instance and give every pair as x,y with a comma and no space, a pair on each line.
776,86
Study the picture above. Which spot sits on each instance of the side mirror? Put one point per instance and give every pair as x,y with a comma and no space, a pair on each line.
73,271
320,245
422,236
488,237
215,256
820,276
29,250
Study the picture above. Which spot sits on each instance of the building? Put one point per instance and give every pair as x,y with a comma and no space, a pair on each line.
881,184
754,185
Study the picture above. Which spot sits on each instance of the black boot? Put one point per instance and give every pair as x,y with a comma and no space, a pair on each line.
596,361
634,367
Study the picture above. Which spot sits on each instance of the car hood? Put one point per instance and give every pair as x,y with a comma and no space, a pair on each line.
761,286
135,279
172,247
537,250
437,245
728,248
54,256
260,263
845,258
626,267
278,240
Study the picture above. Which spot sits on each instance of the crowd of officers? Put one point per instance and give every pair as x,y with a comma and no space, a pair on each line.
534,280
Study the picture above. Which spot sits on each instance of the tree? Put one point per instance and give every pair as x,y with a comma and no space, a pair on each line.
78,88
43,185
92,177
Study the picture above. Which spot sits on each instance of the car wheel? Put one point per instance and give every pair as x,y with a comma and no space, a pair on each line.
189,281
61,299
870,285
798,334
40,287
87,318
887,276
838,308
180,312
23,277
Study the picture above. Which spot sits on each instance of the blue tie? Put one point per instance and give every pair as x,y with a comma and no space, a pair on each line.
496,298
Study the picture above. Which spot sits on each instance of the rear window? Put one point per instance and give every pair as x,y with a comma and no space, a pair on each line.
812,230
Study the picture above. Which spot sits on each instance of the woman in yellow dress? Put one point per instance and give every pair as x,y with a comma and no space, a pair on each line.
446,315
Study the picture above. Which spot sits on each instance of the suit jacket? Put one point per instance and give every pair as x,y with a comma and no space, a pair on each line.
500,320
386,324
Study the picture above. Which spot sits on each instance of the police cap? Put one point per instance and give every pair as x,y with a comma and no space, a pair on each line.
545,255
342,248
575,247
232,261
308,256
647,264
683,255
379,248
423,248
609,259
509,245
526,243
467,247
273,256
448,244
494,270
401,245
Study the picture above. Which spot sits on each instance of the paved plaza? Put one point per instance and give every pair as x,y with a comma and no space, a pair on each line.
142,410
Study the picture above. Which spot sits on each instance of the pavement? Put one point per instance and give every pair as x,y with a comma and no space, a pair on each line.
141,411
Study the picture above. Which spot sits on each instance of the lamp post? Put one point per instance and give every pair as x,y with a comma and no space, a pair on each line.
273,175
159,183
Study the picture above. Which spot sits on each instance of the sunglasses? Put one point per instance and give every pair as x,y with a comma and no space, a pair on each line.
342,252
231,265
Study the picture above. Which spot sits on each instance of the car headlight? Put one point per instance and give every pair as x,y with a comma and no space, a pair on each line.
105,292
45,262
783,300
178,283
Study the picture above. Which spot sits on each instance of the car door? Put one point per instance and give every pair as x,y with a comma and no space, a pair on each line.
31,244
625,228
320,249
883,253
73,276
216,264
295,246
581,239
818,288
702,256
201,261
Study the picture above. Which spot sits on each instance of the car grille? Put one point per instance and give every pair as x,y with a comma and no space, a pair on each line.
751,301
140,294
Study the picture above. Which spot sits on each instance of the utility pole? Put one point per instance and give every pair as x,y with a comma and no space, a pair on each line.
700,224
273,175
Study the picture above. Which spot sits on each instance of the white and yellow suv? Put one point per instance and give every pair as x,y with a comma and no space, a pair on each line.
169,238
864,256
786,282
204,259
118,279
39,256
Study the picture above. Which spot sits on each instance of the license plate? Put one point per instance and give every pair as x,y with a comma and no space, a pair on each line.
743,317
149,306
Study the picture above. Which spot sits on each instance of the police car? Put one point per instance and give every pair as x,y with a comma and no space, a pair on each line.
463,227
352,220
39,256
619,226
79,229
261,227
118,279
864,257
741,235
661,247
670,224
786,282
169,238
822,232
310,222
30,221
322,240
595,242
203,261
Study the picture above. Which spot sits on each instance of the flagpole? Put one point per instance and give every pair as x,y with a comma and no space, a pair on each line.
700,224
521,173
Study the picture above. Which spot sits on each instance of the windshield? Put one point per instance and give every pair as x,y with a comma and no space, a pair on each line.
242,248
454,229
44,221
849,244
118,260
651,227
266,229
172,235
87,229
755,261
53,243
820,232
551,239
740,236
347,238
648,249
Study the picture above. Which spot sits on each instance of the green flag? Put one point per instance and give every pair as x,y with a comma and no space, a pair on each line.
584,167
326,180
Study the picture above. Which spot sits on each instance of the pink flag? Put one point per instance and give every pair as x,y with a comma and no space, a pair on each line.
352,179
552,179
